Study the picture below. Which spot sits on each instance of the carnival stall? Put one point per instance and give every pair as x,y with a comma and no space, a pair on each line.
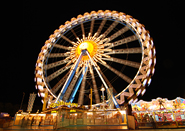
27,119
160,113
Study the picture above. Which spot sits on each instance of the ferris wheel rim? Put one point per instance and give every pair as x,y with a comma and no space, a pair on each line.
126,24
134,32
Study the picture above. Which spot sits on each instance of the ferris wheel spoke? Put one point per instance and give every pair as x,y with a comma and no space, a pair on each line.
101,27
107,81
125,51
53,55
68,40
82,90
83,31
55,64
60,83
74,33
97,98
125,62
118,33
123,41
63,47
111,27
121,75
58,72
92,26
71,86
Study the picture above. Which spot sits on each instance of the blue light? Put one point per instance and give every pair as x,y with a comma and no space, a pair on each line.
77,86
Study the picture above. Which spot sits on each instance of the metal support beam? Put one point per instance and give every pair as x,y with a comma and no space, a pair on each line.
77,85
62,92
113,98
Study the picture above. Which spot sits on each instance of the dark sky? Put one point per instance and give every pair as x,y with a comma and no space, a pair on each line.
39,19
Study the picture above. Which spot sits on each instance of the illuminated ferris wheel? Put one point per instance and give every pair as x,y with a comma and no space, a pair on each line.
103,48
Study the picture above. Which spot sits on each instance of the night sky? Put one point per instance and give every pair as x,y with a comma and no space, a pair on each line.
164,21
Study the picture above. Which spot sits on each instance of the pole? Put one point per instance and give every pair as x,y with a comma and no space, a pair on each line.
45,101
103,99
22,100
91,99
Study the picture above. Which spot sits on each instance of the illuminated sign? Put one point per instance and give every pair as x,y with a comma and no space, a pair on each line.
72,110
54,111
62,103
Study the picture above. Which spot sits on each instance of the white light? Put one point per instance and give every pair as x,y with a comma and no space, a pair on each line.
39,72
115,15
139,30
150,53
143,92
40,87
133,24
148,34
102,89
89,113
144,82
39,80
44,51
154,61
152,43
135,100
42,94
40,64
122,17
149,81
130,101
154,52
152,107
138,92
148,72
150,62
83,46
38,94
122,112
153,71
58,35
53,40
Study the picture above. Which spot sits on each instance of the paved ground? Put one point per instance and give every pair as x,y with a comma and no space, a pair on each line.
77,128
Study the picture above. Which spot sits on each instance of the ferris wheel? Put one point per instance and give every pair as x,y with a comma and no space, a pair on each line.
103,48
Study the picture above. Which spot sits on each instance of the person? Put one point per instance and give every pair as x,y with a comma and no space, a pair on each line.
161,103
136,123
32,121
165,119
40,121
152,121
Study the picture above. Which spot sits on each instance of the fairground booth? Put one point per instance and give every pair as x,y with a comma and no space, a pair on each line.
65,114
160,113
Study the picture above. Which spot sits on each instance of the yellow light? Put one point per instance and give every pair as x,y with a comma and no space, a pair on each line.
90,46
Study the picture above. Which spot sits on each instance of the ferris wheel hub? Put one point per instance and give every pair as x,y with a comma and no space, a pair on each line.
88,45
